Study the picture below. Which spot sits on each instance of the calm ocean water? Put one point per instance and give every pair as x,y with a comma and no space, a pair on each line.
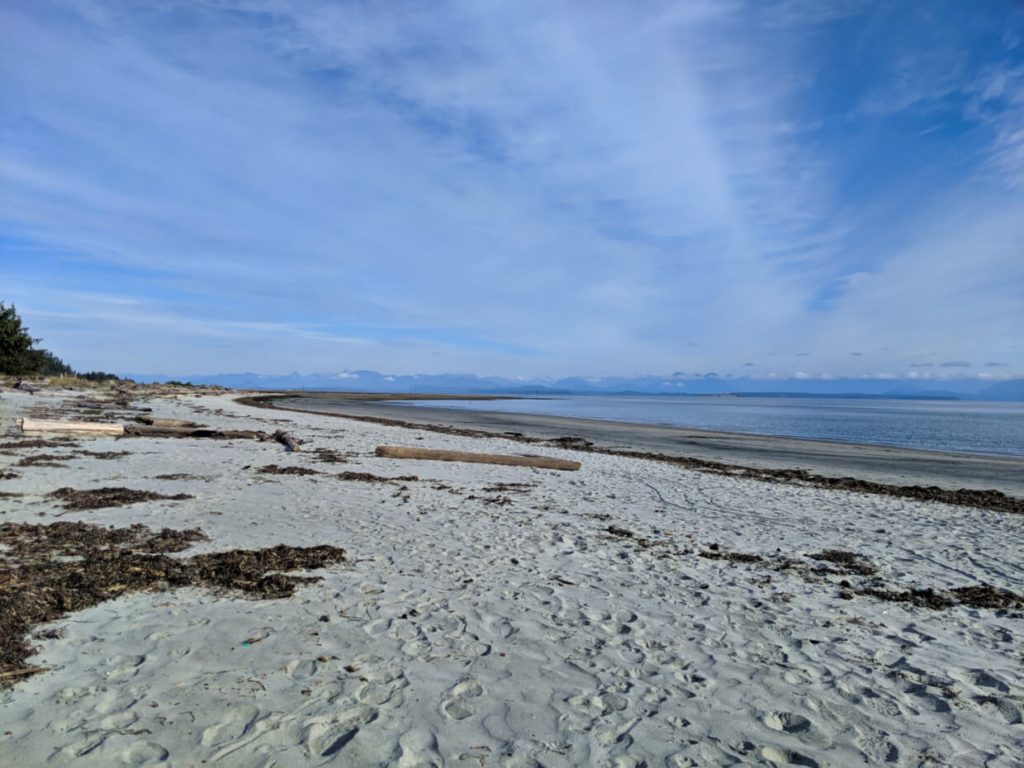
934,425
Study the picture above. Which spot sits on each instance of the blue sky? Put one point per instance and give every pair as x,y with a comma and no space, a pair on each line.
518,188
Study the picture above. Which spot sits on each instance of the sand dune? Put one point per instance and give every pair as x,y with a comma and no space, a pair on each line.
496,615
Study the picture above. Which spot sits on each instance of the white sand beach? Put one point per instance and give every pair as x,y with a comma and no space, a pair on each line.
513,616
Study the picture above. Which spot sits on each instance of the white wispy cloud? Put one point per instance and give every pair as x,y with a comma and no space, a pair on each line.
520,189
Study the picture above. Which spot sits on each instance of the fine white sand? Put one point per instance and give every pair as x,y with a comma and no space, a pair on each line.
477,627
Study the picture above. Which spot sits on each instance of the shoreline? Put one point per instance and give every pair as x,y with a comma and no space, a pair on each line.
942,476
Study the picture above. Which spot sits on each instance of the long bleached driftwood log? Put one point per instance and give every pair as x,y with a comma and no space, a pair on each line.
544,462
78,427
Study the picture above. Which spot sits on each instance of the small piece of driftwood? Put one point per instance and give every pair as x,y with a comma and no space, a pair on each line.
23,672
544,462
287,441
84,427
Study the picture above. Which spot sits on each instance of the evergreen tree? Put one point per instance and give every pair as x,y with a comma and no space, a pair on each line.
18,355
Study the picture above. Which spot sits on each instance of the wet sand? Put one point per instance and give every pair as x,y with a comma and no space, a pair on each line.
880,464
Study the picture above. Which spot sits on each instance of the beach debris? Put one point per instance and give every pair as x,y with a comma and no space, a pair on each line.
43,460
24,387
844,562
155,422
102,455
714,553
430,454
625,533
274,469
181,428
975,596
147,430
39,583
287,441
853,564
568,441
509,487
36,442
23,672
367,477
99,498
185,476
329,456
85,427
967,497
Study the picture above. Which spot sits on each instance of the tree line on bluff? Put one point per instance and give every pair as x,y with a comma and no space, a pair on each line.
19,355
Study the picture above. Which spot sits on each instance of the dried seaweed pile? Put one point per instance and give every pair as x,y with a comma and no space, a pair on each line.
977,596
367,477
841,563
274,469
47,571
44,460
60,442
98,498
330,456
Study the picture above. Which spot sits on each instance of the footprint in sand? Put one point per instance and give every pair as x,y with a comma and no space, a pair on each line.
982,679
781,756
799,726
144,753
328,735
458,703
419,750
1006,709
124,667
300,669
118,720
238,721
786,722
71,695
382,687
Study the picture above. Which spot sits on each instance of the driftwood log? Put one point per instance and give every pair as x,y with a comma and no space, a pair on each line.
287,441
83,427
148,430
158,430
155,422
544,462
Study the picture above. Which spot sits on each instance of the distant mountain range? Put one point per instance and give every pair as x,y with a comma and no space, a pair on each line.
676,384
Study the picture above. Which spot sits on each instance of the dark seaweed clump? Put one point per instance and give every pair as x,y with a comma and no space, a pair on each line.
367,477
43,460
625,533
274,469
975,596
47,571
329,456
735,557
845,562
98,498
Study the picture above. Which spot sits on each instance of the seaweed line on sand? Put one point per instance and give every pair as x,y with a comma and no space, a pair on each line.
968,497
